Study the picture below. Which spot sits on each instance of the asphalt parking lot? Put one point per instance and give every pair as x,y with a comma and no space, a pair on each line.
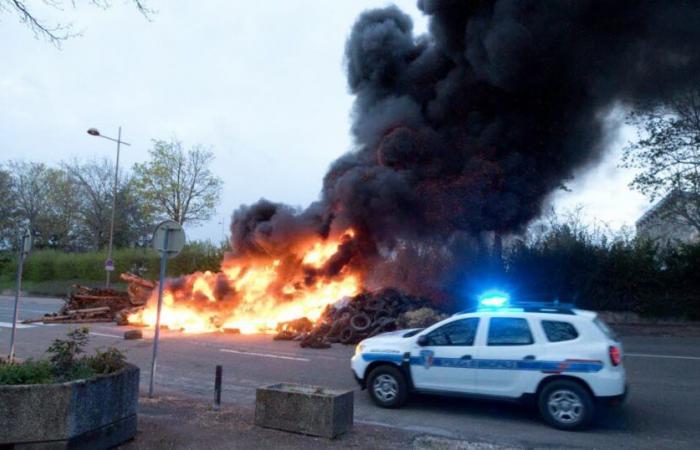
662,410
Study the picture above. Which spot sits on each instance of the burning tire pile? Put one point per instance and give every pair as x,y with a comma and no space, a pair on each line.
348,321
365,315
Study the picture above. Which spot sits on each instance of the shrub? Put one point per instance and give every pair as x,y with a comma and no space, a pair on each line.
65,362
106,361
51,265
28,372
63,353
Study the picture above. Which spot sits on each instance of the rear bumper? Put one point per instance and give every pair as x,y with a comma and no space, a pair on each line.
614,400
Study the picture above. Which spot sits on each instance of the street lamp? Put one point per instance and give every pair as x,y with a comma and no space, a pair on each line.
109,264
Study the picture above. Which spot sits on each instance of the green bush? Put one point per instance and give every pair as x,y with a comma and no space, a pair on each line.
66,362
28,372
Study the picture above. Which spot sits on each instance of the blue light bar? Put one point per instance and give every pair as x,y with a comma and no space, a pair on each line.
494,299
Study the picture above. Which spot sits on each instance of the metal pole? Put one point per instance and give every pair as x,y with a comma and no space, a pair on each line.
11,356
217,388
163,264
114,206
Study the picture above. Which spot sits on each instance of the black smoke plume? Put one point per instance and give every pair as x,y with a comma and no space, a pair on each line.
469,128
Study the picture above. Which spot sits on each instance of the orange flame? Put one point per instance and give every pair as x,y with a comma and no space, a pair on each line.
254,295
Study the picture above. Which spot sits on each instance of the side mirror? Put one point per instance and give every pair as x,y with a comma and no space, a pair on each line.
422,340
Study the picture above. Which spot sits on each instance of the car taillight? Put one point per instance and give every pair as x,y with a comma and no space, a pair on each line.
615,356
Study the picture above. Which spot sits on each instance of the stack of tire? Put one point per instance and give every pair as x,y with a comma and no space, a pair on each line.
356,318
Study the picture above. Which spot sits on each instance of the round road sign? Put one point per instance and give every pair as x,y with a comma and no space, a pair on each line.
176,238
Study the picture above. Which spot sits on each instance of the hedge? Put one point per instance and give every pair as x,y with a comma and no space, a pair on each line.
50,265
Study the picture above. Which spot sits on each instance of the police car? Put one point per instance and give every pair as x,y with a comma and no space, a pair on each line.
565,359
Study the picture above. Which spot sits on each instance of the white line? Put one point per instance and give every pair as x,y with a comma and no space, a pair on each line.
42,311
414,428
19,325
105,335
644,355
264,355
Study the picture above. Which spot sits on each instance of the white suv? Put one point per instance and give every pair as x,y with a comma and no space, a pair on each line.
566,359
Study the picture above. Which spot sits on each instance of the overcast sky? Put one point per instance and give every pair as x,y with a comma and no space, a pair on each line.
262,83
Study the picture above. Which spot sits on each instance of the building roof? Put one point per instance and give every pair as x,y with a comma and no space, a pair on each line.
662,204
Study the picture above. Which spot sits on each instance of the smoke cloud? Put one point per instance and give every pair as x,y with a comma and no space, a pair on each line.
469,128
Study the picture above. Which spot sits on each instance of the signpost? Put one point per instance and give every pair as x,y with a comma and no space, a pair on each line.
168,240
25,246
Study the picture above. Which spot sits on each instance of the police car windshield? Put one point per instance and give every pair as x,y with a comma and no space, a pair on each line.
413,332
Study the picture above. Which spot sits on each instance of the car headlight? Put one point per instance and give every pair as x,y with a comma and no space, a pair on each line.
359,349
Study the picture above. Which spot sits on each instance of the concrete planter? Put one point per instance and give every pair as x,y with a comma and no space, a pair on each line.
304,409
95,414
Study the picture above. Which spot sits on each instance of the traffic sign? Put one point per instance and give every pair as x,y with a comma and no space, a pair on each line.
27,242
109,265
168,240
175,241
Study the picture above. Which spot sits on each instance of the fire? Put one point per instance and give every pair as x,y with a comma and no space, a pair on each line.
255,294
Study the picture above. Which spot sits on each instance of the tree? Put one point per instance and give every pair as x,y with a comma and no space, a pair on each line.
178,183
667,153
44,203
30,189
7,209
94,182
56,33
58,223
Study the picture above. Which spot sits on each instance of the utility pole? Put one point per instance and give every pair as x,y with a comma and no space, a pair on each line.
109,264
24,246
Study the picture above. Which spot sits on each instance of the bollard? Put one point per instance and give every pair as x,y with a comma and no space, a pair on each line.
217,388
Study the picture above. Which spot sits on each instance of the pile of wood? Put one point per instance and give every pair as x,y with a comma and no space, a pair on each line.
86,304
353,319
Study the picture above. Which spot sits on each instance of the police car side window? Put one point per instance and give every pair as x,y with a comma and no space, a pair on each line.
557,331
459,332
509,331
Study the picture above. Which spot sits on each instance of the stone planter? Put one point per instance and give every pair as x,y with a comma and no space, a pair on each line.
304,409
95,414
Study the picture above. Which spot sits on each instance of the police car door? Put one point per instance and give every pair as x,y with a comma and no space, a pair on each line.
505,356
444,360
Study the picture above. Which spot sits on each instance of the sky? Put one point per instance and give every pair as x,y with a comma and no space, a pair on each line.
261,83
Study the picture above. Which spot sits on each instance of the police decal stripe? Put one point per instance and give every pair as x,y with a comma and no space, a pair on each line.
585,366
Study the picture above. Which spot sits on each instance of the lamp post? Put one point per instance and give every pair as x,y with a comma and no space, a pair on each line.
109,264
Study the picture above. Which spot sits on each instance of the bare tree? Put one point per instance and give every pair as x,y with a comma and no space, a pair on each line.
94,180
56,32
7,209
178,183
667,153
43,202
30,189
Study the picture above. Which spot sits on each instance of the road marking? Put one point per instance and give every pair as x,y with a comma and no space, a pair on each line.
105,335
19,325
264,355
42,311
645,355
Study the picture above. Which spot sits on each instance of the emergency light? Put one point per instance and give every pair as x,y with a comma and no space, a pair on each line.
494,299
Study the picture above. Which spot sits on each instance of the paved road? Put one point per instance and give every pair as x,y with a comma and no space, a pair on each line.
663,409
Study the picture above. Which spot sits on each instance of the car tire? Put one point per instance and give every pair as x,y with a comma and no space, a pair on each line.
387,387
566,405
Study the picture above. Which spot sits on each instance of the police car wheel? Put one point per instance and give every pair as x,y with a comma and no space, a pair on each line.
566,405
387,387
